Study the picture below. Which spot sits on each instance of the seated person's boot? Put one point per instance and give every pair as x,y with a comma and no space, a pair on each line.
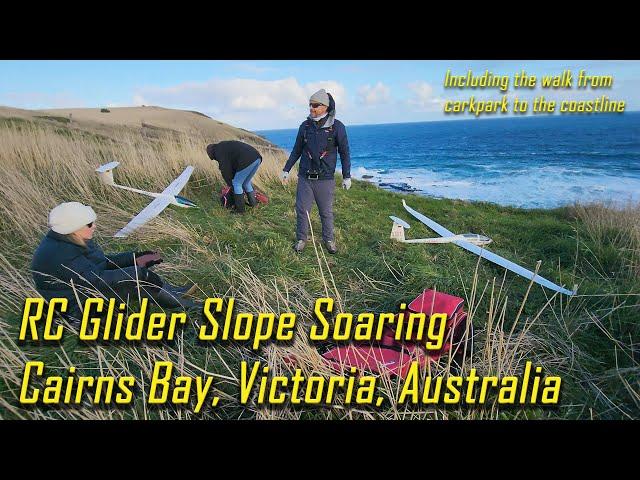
181,290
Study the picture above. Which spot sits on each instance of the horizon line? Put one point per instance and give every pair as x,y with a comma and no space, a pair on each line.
510,116
471,119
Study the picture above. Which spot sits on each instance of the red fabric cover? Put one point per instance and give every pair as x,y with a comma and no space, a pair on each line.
395,356
225,195
431,302
374,358
261,198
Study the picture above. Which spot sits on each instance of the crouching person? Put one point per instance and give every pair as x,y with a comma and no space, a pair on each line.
68,257
238,163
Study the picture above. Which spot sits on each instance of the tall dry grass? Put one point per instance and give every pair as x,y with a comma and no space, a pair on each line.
612,231
41,168
616,225
493,350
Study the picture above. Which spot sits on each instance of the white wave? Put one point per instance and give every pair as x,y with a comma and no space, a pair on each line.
539,186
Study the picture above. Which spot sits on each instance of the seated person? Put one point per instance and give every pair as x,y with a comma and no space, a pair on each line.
68,257
238,164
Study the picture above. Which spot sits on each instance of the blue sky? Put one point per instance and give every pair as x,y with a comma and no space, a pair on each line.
264,94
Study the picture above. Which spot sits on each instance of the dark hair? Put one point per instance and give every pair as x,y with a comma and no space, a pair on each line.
332,104
210,149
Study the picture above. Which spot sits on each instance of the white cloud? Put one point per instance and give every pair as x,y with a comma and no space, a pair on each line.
246,103
368,95
423,97
252,68
627,90
138,100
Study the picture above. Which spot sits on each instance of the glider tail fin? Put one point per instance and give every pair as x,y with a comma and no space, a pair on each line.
105,172
397,231
106,177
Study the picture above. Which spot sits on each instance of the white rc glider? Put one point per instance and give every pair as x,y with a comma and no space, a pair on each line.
169,196
469,241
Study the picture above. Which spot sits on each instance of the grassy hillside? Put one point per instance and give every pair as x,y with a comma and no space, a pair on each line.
589,340
148,121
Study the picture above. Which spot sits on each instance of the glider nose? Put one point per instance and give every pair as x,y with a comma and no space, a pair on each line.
184,202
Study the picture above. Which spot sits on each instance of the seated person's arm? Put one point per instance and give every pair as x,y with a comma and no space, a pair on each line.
146,258
85,273
120,260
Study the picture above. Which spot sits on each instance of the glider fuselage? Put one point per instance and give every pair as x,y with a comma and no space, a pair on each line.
175,199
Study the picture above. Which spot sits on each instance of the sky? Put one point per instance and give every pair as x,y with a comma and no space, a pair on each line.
274,94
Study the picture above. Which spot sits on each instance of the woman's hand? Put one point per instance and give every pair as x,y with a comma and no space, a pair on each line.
148,258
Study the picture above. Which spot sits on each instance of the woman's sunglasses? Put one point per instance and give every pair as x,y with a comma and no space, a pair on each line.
315,105
90,224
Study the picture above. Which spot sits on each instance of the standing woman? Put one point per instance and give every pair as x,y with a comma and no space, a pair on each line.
238,163
68,257
319,139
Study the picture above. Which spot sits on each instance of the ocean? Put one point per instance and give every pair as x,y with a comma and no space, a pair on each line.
530,162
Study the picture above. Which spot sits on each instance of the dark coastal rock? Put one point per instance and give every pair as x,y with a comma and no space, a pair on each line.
403,187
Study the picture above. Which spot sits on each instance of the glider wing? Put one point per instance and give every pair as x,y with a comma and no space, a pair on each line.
483,253
179,183
147,213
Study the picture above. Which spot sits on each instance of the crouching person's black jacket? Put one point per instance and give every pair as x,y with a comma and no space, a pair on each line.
232,156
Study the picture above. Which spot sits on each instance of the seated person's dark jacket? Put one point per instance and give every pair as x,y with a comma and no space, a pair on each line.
57,261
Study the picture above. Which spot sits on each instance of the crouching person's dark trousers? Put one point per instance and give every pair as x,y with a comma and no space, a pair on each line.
322,191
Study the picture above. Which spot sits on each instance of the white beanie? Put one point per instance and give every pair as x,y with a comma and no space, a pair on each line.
320,96
69,217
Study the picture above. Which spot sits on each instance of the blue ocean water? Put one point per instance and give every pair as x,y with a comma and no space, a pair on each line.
532,162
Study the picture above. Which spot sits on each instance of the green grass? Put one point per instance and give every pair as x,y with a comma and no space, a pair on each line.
14,122
54,118
263,239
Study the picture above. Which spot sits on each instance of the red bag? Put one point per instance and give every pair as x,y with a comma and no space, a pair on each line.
261,198
396,356
225,197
